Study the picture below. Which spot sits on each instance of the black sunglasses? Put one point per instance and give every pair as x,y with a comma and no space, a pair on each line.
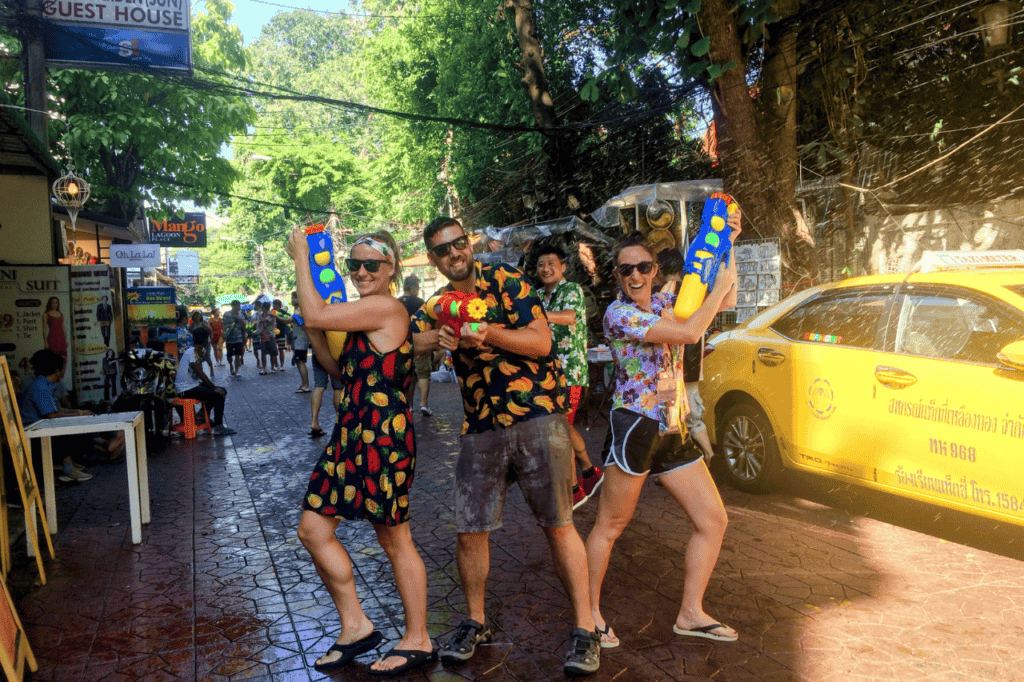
626,269
442,250
371,264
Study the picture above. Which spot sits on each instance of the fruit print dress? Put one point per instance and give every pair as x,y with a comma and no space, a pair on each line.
367,469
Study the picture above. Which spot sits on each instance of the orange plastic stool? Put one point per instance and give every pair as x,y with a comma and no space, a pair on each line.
188,425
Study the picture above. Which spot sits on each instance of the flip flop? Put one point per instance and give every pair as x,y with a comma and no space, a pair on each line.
316,433
304,390
707,632
414,658
349,651
607,632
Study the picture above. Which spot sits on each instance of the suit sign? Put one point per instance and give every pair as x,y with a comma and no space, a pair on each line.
189,231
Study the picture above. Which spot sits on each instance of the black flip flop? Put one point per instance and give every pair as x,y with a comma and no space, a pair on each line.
414,658
316,433
350,651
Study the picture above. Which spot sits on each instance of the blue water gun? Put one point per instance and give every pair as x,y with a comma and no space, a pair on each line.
711,249
329,284
326,279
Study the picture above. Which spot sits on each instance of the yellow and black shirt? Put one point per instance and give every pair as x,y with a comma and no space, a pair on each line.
500,388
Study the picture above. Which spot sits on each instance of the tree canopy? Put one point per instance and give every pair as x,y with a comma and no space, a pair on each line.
150,138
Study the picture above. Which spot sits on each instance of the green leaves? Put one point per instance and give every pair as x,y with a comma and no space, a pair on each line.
701,47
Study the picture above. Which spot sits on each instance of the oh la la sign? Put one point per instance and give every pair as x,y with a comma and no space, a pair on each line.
134,255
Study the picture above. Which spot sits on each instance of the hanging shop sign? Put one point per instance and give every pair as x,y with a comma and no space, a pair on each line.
189,231
135,255
119,33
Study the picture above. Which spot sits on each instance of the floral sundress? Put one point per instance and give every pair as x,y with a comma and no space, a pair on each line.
367,469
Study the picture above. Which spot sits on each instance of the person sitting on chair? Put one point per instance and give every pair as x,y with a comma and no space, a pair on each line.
192,383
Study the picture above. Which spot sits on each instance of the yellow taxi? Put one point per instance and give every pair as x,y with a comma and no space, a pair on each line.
911,384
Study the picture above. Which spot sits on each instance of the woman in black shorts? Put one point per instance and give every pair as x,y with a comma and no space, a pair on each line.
646,341
367,469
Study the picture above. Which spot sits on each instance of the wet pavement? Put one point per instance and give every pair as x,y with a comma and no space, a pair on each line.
831,583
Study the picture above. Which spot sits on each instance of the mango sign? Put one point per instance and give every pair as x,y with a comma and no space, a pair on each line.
189,231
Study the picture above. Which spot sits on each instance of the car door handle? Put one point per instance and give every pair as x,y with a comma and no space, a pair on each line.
770,357
894,377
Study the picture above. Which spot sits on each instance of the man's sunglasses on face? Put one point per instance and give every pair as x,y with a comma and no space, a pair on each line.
442,250
371,264
626,269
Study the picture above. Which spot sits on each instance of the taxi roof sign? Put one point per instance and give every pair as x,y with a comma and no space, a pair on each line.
936,261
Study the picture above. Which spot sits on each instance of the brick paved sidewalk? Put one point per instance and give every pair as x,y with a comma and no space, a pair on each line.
221,589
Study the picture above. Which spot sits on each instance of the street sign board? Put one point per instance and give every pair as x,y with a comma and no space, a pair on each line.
119,33
188,231
134,255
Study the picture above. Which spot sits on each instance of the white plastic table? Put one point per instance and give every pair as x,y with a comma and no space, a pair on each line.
133,426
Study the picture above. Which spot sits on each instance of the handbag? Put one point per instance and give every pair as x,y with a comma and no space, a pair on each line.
673,404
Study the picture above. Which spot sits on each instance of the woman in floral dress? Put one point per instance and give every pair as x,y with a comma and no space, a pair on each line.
646,342
367,469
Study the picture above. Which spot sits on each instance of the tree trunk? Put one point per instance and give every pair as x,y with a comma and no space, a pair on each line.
561,193
756,147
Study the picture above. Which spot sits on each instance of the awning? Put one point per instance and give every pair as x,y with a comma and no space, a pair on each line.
688,191
21,152
109,227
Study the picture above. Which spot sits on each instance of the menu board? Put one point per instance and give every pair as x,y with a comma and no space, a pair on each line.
95,347
759,269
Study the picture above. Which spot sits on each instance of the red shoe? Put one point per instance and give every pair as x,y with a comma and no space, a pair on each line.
590,483
578,496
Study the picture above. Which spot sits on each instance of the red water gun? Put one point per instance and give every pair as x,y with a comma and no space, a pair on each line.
454,308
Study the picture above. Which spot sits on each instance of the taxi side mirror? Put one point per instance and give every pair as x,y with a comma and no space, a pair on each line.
1012,356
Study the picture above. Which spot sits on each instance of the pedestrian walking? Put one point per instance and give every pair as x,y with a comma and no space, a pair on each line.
217,334
647,436
515,429
367,469
266,327
235,333
300,349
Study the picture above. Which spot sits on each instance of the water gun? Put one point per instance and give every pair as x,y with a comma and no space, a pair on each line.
710,250
328,283
454,308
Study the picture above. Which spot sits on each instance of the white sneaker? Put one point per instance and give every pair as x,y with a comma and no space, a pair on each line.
426,412
75,475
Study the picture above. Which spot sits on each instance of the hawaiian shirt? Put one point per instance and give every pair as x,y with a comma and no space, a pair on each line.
569,341
234,327
638,363
500,388
184,339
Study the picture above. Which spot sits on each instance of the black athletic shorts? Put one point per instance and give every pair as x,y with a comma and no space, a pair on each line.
637,447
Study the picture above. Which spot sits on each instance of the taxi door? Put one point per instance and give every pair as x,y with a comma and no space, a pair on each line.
828,369
953,430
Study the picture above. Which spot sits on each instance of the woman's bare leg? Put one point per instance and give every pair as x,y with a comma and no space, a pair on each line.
316,532
695,491
411,580
615,508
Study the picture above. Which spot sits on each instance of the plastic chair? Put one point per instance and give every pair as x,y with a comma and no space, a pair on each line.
189,424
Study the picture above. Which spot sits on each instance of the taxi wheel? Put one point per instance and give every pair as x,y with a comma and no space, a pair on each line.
747,445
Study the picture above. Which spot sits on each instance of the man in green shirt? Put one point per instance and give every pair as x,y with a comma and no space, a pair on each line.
566,309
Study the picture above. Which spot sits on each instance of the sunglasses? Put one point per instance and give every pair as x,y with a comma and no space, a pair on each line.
371,264
626,269
442,250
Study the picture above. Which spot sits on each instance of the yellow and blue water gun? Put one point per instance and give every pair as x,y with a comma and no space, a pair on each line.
326,279
711,249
